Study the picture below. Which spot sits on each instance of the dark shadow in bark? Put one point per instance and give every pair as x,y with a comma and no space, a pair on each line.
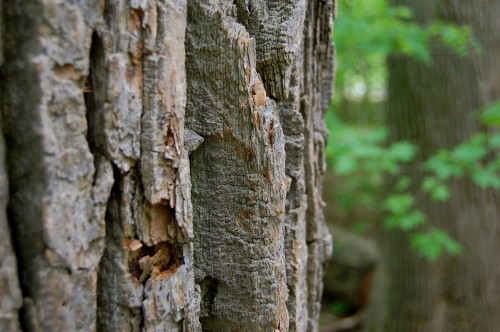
209,289
94,91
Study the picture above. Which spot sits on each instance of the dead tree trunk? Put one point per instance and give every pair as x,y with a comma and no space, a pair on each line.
164,161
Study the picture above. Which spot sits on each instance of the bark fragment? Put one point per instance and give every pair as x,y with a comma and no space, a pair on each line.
239,40
148,252
277,28
238,177
54,202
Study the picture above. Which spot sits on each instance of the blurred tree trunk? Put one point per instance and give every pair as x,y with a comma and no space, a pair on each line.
165,162
434,106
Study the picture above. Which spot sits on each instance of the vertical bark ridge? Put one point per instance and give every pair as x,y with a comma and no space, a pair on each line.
10,291
213,94
238,177
64,169
296,254
146,279
317,87
52,206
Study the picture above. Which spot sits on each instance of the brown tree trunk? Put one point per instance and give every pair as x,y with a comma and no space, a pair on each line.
122,218
434,106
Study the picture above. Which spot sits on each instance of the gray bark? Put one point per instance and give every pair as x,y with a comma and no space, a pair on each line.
125,220
10,293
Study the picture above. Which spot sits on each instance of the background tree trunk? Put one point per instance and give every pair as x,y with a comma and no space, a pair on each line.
434,106
123,219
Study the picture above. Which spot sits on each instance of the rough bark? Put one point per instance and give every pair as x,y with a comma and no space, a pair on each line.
234,111
239,238
105,231
317,88
434,106
55,204
10,293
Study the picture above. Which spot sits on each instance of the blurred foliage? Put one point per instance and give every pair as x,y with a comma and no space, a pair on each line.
366,33
363,159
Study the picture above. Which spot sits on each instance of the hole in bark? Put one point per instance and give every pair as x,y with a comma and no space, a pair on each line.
209,289
161,220
94,89
147,261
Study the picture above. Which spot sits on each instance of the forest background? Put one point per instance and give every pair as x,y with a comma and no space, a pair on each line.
360,155
368,187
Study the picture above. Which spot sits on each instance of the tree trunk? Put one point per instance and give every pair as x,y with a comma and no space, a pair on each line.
434,106
164,161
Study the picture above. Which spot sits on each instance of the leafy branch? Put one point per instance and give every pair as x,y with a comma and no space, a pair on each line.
363,159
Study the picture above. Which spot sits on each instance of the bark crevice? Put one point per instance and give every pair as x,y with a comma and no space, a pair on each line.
94,88
93,112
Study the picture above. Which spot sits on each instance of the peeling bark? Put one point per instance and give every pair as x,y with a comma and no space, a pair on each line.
239,240
221,105
95,96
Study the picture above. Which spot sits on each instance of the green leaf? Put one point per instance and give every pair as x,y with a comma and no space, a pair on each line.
440,193
441,166
345,165
402,12
451,246
494,141
398,203
426,246
402,184
485,178
402,151
470,151
406,221
432,244
490,115
429,184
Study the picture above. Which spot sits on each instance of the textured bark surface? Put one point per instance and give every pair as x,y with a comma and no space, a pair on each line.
108,232
57,199
316,93
10,293
272,99
238,175
435,106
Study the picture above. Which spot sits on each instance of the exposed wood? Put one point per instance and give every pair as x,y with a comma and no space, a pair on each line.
95,96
